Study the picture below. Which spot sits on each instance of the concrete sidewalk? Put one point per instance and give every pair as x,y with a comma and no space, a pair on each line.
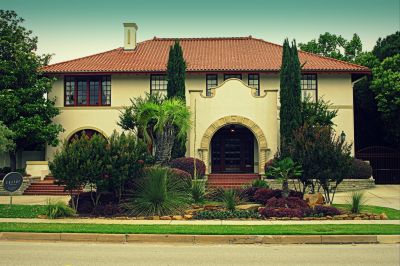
380,195
193,222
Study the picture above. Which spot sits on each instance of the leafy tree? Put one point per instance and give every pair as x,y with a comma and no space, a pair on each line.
386,86
317,113
334,46
6,136
24,109
323,157
290,95
388,46
284,170
159,122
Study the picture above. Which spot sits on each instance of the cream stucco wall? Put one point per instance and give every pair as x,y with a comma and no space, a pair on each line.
232,98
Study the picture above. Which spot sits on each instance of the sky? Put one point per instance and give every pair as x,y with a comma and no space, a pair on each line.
71,29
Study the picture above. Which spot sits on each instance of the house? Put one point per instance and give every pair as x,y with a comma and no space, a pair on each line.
232,89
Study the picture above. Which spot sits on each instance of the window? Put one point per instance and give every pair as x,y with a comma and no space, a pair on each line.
309,86
254,82
87,91
211,82
232,76
158,84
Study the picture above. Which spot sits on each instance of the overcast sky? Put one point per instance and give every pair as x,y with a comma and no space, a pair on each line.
74,28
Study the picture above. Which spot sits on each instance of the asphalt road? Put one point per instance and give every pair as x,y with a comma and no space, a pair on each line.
75,254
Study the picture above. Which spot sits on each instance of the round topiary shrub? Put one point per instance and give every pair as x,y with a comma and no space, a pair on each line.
360,169
181,174
187,164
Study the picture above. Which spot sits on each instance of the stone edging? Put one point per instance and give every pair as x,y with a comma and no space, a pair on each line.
201,239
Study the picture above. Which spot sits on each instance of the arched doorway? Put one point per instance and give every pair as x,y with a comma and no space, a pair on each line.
234,149
88,132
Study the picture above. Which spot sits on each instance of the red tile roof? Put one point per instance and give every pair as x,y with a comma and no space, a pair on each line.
201,54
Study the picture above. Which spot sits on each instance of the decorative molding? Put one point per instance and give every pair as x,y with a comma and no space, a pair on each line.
86,127
213,90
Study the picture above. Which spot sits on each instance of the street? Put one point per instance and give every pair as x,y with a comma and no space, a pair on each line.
75,254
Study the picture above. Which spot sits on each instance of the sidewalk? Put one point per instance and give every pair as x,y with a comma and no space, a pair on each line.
193,222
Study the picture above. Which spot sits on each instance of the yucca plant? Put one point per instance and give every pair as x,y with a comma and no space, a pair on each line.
198,191
57,209
230,199
357,200
160,193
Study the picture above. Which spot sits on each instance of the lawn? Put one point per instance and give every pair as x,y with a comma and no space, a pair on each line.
322,229
392,214
21,211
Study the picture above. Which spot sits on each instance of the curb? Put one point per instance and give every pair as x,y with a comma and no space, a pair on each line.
201,239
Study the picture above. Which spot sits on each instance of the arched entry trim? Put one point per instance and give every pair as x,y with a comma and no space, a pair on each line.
72,133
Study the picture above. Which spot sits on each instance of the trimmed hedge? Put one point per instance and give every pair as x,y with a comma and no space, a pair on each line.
360,169
187,164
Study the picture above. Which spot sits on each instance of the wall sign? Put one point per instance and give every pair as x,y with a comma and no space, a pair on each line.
12,181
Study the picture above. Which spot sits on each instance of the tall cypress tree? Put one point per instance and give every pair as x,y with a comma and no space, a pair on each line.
176,72
290,96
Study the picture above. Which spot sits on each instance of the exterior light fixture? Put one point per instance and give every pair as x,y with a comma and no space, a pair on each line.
343,136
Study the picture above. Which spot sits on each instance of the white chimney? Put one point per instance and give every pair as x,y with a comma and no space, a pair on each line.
130,36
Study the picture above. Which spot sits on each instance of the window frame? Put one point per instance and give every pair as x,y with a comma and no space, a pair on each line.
208,89
87,80
258,82
313,89
229,74
166,84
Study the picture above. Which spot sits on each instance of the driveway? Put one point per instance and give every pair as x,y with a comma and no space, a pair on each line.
380,195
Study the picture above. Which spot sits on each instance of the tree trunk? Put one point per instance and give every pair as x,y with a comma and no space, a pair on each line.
13,160
285,188
163,145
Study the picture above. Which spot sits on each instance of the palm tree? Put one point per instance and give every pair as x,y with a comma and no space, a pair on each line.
158,121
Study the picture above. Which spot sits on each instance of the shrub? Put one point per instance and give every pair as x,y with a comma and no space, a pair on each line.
230,199
281,212
268,164
356,201
187,164
221,215
260,183
296,194
290,202
360,169
264,194
85,202
326,210
58,209
185,176
198,191
158,193
248,193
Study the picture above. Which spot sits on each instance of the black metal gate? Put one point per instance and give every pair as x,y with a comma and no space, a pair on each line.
385,163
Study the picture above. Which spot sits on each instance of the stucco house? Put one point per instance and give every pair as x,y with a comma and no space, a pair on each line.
232,89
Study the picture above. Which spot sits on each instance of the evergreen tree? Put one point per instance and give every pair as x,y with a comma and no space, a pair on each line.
290,96
176,72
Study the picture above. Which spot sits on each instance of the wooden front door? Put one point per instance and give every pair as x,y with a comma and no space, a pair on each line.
232,150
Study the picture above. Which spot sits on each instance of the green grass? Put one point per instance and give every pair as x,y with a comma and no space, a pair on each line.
324,229
392,214
21,211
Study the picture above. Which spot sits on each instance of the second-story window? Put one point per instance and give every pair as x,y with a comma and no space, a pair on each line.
211,82
309,87
87,90
232,76
254,82
158,84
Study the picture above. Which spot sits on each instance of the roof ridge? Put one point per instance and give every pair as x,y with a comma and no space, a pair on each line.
155,38
312,54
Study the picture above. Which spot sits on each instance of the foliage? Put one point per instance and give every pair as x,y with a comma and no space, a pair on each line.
281,212
290,96
323,157
159,192
269,164
176,72
230,198
260,183
357,200
326,210
6,139
388,46
386,86
125,159
21,211
107,205
223,215
284,170
185,176
317,113
360,169
334,46
158,121
187,164
289,202
58,209
198,191
23,107
262,195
